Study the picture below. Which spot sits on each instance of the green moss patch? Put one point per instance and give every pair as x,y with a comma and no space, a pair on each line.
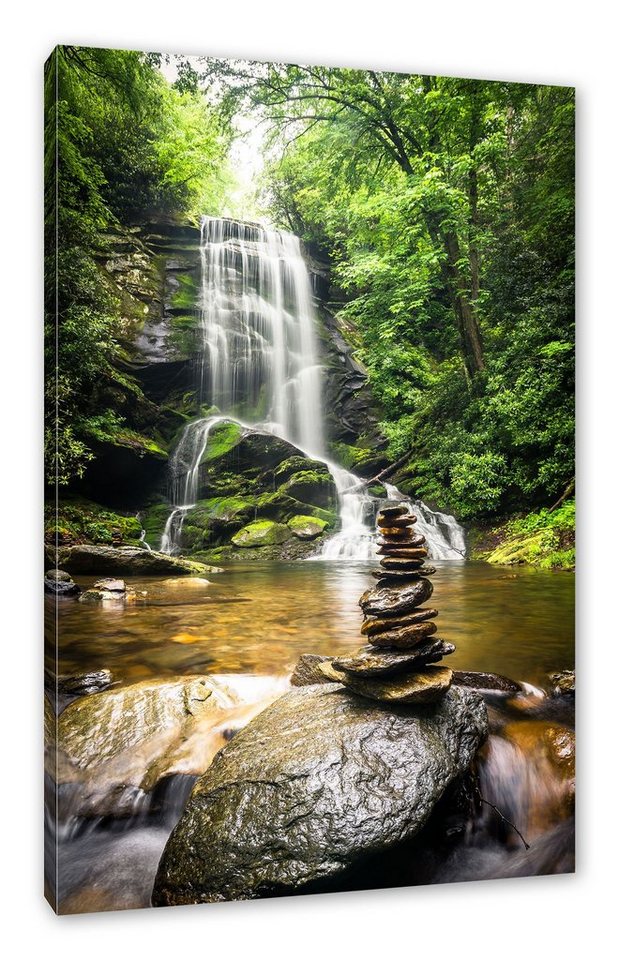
82,521
261,533
544,539
222,439
306,528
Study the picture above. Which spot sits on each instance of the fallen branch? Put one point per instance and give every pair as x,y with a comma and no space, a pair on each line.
569,490
379,476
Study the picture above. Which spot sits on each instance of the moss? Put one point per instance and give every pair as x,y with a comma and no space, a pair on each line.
154,521
544,539
222,439
82,521
306,528
121,436
352,457
261,533
311,486
184,292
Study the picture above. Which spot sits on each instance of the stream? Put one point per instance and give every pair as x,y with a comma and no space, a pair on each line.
252,622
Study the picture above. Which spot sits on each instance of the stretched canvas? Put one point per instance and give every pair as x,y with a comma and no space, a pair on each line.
309,538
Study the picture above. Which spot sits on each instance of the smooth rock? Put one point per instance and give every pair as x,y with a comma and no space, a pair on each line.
111,586
395,600
422,686
401,542
412,574
80,684
126,561
405,563
403,553
395,533
372,625
370,662
60,584
261,533
398,523
306,528
388,513
307,670
485,681
301,796
405,637
117,745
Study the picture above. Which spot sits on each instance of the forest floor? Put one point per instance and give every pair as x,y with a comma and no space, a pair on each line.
544,538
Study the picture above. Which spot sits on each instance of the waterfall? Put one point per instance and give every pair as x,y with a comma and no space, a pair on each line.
259,362
444,535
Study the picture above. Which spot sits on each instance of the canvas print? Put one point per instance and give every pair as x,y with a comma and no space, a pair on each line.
309,524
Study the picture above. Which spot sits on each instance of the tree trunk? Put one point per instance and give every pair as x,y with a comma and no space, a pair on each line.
464,309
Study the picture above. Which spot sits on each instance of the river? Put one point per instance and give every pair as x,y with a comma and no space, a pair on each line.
254,620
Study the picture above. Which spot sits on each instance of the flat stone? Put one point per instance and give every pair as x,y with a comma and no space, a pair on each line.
485,681
405,563
319,780
370,662
398,533
404,553
129,561
424,686
307,670
397,523
404,638
394,600
402,541
112,586
388,513
372,625
412,574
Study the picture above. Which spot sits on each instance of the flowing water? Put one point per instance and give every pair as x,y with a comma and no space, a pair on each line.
250,624
260,361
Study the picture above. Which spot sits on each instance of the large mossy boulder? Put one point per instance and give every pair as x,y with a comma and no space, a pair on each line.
261,533
86,558
306,528
316,784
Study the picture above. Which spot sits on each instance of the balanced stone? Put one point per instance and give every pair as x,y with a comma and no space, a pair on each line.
397,523
405,637
412,574
394,600
386,514
399,533
407,552
370,662
402,540
372,625
405,563
425,686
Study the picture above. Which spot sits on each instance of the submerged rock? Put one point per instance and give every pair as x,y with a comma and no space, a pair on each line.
60,584
564,683
126,561
310,788
80,684
485,681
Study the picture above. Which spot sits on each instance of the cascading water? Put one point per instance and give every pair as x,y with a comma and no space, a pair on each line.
444,535
260,362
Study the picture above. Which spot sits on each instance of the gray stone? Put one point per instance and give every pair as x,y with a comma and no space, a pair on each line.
307,670
316,783
59,583
395,600
485,681
422,686
89,558
372,662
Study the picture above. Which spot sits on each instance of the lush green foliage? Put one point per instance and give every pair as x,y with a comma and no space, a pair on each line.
122,145
446,208
545,538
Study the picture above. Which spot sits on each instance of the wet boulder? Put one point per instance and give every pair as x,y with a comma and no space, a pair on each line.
315,784
306,528
261,533
85,558
60,584
307,670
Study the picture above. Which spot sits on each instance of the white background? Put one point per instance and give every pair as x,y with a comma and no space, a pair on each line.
554,42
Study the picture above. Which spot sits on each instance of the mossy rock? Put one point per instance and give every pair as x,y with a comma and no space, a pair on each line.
306,528
153,520
292,465
182,292
311,486
83,521
223,438
261,533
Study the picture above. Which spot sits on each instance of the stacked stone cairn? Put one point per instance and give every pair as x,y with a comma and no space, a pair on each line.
399,662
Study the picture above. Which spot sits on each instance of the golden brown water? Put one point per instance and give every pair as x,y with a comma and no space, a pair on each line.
258,618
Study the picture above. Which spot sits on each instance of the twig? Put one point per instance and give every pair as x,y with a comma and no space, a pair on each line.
527,846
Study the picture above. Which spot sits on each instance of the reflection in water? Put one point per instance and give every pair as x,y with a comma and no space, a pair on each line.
259,618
